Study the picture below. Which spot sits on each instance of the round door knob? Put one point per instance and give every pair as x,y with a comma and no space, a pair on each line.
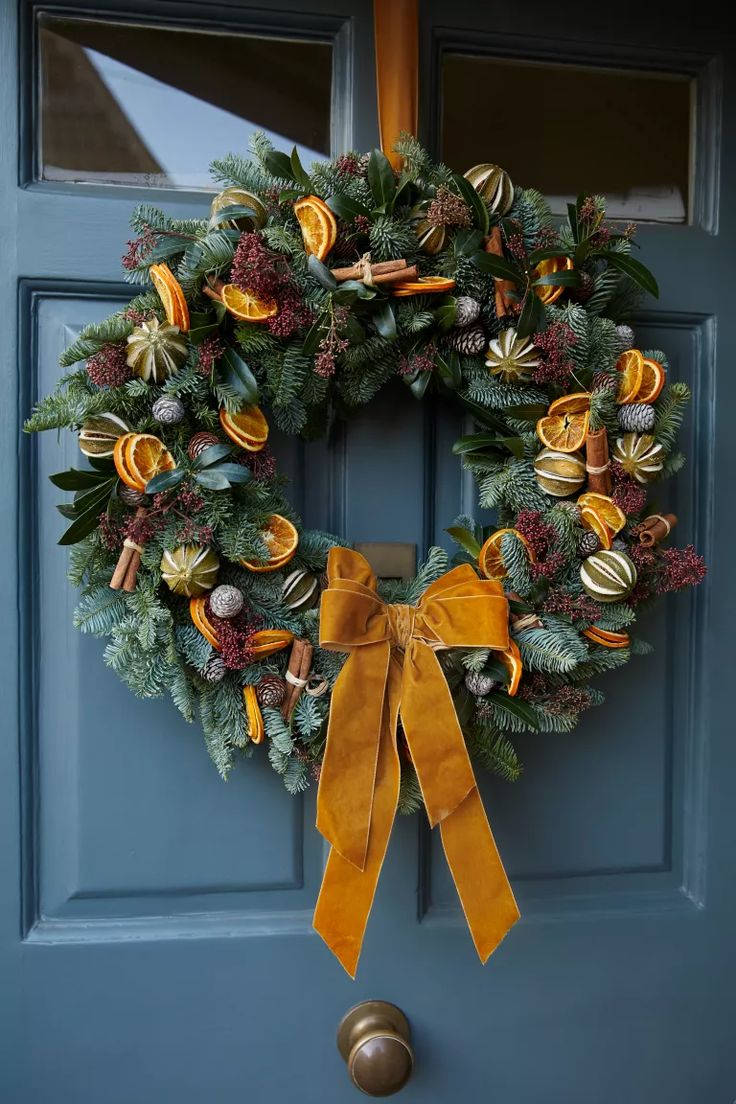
374,1039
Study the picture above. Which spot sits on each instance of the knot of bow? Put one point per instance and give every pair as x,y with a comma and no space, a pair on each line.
392,672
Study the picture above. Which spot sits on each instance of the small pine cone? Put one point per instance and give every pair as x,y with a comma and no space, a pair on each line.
271,691
479,684
636,417
467,311
214,669
199,442
588,544
131,497
168,410
469,342
226,601
625,337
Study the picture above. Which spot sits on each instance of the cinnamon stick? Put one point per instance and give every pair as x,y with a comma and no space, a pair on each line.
213,290
355,272
399,276
132,573
123,566
655,528
504,301
529,619
597,462
300,664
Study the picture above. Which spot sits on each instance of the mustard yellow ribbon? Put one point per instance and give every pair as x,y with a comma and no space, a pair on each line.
392,670
396,26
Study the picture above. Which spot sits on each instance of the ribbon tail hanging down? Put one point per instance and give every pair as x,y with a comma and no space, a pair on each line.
396,24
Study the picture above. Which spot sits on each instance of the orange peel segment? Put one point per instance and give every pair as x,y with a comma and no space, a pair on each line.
592,520
253,715
267,641
490,560
171,295
511,659
549,293
121,467
282,539
606,508
652,381
246,306
577,402
425,285
198,614
318,225
146,456
630,366
607,639
247,427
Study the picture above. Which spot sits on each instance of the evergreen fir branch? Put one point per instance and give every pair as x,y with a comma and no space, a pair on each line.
291,417
235,171
210,255
309,716
494,751
475,659
409,591
556,647
116,328
99,611
567,530
674,463
532,210
195,649
217,739
182,692
640,647
410,793
599,660
616,616
670,408
516,561
296,775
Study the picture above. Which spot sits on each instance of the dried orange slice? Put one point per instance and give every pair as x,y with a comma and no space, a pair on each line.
511,659
574,403
652,381
282,539
490,560
198,614
121,467
318,225
253,715
564,432
631,366
247,427
146,456
606,508
267,641
425,285
171,295
246,306
548,293
607,639
591,519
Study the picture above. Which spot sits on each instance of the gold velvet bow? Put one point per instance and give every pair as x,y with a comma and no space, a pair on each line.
392,670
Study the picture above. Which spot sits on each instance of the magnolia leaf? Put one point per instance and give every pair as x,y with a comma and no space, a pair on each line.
516,707
632,268
473,200
234,473
211,455
532,315
381,180
384,321
347,208
498,267
299,173
213,480
465,539
75,480
279,165
237,375
164,481
321,273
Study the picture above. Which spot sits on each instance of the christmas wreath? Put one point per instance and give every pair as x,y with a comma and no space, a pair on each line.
303,294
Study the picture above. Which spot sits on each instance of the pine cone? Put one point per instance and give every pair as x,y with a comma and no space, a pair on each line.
271,691
467,311
226,601
636,417
168,410
199,442
214,669
625,337
469,342
588,544
479,684
131,497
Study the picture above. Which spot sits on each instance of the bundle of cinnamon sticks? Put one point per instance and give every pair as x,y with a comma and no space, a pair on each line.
129,561
655,528
297,675
381,273
504,299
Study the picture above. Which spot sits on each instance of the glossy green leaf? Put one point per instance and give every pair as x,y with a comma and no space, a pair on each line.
381,180
477,442
531,318
211,455
449,371
234,473
498,267
87,520
484,416
465,539
384,321
347,208
299,173
279,165
516,707
632,268
474,201
75,480
213,480
237,375
164,481
563,278
321,273
314,335
446,314
419,383
526,412
233,211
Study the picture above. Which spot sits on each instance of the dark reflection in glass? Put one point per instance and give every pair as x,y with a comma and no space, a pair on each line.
153,106
563,128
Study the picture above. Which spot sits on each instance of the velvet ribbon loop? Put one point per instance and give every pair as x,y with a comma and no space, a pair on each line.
392,670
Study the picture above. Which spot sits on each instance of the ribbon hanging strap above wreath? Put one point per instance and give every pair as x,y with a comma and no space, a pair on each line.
396,25
393,671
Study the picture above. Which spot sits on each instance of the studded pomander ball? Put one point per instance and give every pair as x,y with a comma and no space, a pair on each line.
271,691
199,442
467,311
300,590
214,669
189,569
469,342
608,576
226,601
636,417
168,410
479,684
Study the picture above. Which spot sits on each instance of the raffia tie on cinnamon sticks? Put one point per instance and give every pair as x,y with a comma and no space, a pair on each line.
520,621
129,561
373,275
504,301
297,675
597,462
655,528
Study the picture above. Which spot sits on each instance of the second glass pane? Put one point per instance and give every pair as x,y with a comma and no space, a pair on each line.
153,106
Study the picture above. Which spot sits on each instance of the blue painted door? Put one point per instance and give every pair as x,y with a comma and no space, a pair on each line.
155,940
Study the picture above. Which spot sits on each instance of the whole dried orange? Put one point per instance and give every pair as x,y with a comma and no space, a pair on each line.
253,715
511,659
247,427
652,381
606,508
171,295
490,559
564,432
281,538
198,614
146,456
549,293
245,306
630,365
318,225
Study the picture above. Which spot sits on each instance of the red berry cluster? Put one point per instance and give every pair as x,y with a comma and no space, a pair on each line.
108,367
555,365
266,275
235,635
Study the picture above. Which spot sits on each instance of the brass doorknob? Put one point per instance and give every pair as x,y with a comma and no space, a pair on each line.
374,1038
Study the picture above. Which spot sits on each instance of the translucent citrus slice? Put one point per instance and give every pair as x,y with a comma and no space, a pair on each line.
591,519
564,432
253,715
282,539
247,427
171,295
198,614
607,639
548,293
631,366
267,641
606,508
575,403
426,285
146,456
246,306
652,381
121,466
490,560
511,659
318,225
